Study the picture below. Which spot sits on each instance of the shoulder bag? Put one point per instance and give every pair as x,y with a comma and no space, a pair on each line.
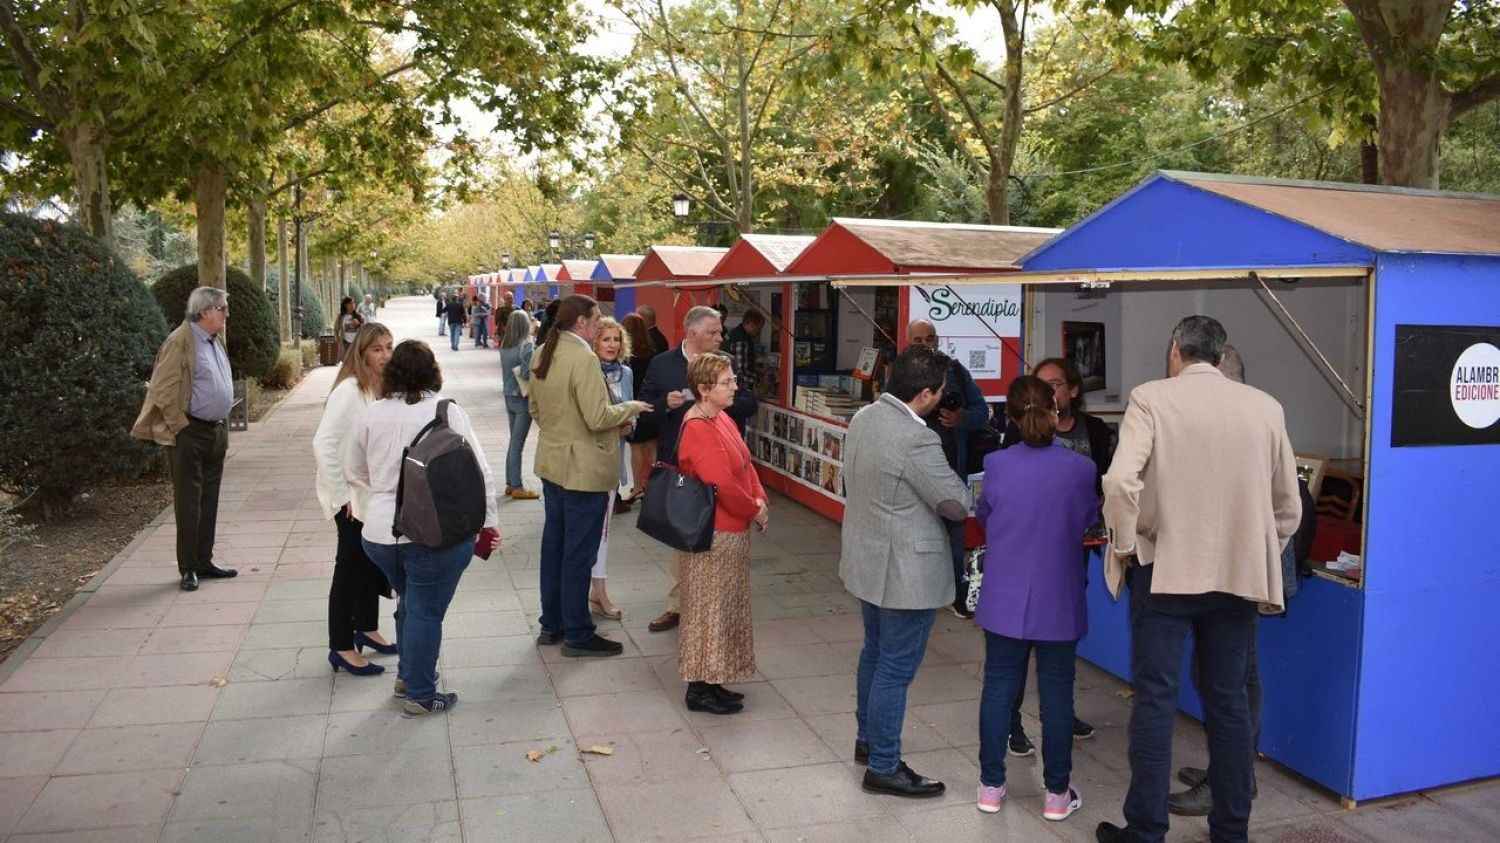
678,510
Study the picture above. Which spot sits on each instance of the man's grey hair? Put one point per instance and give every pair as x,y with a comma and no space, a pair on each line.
648,313
202,299
1233,365
697,316
1200,339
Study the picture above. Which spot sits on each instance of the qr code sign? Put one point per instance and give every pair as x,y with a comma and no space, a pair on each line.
977,358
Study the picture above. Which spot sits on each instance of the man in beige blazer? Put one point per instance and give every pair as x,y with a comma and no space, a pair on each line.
578,459
187,403
1199,500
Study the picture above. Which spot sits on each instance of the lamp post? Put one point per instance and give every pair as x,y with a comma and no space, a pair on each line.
565,244
682,205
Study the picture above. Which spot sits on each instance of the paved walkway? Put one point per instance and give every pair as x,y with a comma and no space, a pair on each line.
146,713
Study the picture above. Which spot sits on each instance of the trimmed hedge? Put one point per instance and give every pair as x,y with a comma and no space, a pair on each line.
254,341
313,320
80,334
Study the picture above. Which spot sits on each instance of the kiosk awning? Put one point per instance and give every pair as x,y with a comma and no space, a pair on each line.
1105,276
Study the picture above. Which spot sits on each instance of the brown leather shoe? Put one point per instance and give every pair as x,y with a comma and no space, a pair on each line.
666,621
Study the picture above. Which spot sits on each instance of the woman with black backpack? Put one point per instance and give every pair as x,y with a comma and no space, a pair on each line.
425,576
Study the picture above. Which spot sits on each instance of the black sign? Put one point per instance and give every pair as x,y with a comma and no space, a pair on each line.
1447,386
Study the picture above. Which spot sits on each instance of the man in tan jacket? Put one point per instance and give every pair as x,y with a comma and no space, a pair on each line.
1199,500
578,459
186,406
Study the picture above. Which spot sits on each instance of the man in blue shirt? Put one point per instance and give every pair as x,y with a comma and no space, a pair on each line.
186,406
961,411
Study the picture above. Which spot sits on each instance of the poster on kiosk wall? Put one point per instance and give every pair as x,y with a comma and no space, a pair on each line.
971,323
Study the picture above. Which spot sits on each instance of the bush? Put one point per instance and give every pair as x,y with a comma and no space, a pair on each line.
310,356
80,334
253,333
313,319
286,372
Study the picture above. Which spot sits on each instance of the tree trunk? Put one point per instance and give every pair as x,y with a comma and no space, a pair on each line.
1413,114
997,191
88,148
1402,37
283,280
343,279
256,213
209,194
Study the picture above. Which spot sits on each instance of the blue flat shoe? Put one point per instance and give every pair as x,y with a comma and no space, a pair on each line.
337,661
361,641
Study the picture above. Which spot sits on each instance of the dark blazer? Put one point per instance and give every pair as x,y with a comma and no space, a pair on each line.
668,373
658,339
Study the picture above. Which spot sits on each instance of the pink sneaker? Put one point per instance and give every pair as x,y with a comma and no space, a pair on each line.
990,798
1060,806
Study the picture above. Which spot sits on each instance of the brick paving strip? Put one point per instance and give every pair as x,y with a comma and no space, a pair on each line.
144,713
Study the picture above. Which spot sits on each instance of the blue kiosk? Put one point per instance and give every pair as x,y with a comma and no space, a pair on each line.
1373,315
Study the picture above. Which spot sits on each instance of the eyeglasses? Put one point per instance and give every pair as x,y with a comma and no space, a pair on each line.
1056,384
222,308
730,381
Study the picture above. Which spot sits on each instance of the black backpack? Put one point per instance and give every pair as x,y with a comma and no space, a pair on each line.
440,494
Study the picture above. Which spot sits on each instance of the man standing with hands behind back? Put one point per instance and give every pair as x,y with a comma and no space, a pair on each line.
666,389
1200,500
186,404
899,491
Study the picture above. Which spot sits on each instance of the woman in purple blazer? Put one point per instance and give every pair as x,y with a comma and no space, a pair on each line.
1038,500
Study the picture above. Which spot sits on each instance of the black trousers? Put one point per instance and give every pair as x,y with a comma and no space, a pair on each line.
197,464
354,595
1222,627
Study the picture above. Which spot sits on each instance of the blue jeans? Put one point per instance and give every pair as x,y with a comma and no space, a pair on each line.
482,332
1004,675
425,579
895,641
518,412
1222,627
570,545
956,545
455,331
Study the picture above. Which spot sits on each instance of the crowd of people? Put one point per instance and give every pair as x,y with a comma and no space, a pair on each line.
1198,497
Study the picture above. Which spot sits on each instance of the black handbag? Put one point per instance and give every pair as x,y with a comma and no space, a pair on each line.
678,510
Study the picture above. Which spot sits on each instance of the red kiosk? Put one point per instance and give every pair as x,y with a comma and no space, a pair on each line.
664,264
831,342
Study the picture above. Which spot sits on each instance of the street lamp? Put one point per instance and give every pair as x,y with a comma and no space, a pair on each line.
567,243
682,205
505,260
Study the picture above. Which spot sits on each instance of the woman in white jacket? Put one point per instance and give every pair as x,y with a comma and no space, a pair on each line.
354,595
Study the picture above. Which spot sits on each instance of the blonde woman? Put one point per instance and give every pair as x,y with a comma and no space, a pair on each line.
611,346
354,595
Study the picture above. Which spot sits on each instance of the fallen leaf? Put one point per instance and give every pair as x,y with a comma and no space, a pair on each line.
599,749
535,755
551,749
218,681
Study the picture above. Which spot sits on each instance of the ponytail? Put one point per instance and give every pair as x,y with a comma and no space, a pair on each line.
1030,403
568,313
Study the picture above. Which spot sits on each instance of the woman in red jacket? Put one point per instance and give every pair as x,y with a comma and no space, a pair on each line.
716,643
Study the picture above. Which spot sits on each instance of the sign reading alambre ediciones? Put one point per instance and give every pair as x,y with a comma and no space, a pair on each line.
1447,386
961,317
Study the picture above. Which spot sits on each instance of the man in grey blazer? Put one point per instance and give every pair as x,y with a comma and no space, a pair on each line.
898,489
